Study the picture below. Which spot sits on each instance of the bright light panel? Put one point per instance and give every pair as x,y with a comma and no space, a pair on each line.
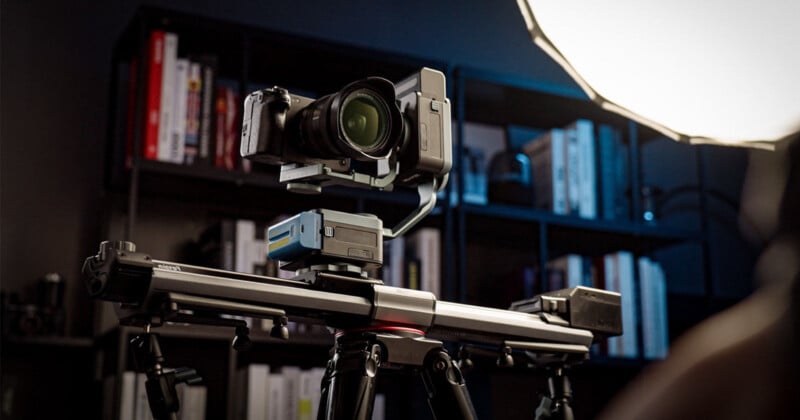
700,71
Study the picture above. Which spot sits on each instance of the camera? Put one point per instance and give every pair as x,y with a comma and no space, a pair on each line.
392,133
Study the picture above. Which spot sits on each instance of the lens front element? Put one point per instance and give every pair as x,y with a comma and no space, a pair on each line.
363,120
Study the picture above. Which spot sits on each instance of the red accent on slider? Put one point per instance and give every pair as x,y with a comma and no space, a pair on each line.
385,328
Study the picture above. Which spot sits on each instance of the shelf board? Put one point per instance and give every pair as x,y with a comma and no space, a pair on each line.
74,342
264,180
258,179
596,225
204,332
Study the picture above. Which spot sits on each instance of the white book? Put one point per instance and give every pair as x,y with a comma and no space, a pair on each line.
317,374
305,396
127,396
648,307
257,391
379,407
427,244
612,284
587,168
291,378
142,406
170,57
277,409
193,403
177,143
245,234
627,288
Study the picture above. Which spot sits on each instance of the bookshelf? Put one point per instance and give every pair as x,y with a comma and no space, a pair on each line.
161,205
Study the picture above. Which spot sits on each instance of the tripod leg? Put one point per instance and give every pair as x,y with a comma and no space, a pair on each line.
350,379
560,394
447,391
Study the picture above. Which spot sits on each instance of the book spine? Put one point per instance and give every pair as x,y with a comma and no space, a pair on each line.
587,169
277,409
572,169
648,308
607,173
179,112
193,105
611,277
231,152
155,70
560,205
630,338
220,110
127,399
207,115
257,401
169,60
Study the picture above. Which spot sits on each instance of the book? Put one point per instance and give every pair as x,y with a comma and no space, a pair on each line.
155,70
278,409
572,169
180,94
193,112
207,107
141,405
480,142
127,395
379,407
606,141
425,246
168,75
619,269
291,378
317,375
394,261
193,402
547,158
586,171
305,396
652,292
257,376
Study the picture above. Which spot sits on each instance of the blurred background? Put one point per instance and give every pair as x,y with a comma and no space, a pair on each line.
70,69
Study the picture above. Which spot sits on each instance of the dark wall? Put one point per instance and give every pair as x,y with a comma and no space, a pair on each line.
55,58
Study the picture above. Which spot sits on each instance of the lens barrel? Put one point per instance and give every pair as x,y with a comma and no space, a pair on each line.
362,121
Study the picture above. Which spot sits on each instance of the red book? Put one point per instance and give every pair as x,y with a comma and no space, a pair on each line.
219,136
154,73
231,130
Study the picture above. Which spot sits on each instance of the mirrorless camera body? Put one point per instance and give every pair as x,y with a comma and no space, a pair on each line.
399,133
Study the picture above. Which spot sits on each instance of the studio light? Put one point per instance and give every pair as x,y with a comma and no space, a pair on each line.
711,71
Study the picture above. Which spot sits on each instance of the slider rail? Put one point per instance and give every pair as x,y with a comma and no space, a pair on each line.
228,292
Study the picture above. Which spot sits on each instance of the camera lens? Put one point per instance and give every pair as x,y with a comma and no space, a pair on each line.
364,119
362,122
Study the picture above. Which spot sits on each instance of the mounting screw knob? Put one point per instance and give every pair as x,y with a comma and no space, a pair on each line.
110,246
505,359
279,329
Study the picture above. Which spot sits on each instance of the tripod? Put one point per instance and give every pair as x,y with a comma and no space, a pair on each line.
348,387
